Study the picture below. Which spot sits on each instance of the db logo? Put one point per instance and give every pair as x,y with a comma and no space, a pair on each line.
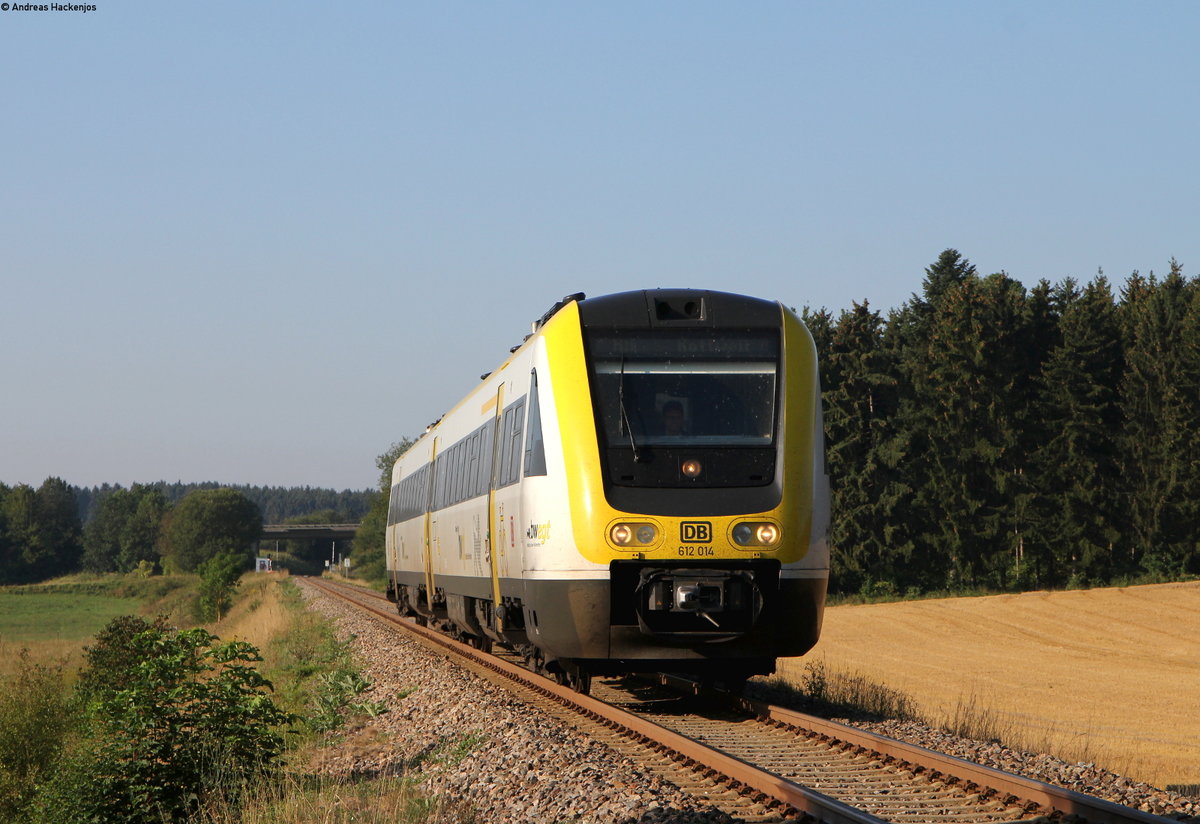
695,532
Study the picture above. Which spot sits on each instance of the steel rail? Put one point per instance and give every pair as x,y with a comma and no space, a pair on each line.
704,758
1050,800
1048,796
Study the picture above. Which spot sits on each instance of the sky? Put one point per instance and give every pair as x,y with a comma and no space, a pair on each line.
257,243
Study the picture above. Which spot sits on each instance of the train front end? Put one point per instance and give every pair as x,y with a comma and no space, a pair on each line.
693,454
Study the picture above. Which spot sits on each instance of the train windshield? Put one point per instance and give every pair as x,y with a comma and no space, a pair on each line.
686,389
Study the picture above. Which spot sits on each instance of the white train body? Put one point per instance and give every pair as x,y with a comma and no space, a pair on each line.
550,511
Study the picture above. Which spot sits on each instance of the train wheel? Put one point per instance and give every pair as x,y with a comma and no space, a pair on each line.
575,678
581,682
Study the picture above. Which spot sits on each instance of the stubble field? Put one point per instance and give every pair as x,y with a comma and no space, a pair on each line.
1110,676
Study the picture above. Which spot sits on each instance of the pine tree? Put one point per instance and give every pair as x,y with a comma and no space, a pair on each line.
969,389
858,417
910,512
1161,403
1076,465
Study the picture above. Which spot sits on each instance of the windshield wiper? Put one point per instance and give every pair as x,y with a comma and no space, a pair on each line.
624,426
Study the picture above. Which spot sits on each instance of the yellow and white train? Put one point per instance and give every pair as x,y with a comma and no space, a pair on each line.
640,486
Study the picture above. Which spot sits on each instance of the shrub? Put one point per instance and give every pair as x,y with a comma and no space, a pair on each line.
218,580
189,718
33,724
108,663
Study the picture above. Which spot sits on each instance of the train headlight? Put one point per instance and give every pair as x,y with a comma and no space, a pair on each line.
755,533
633,535
691,468
766,534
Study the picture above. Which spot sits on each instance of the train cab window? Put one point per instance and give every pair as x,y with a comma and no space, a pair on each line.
535,449
686,389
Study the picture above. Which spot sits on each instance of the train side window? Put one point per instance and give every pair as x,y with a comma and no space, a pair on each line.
461,483
405,498
439,482
456,474
535,449
416,494
460,472
505,447
513,449
426,488
487,456
472,464
459,452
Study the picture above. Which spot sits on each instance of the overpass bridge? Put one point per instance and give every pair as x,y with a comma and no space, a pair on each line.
308,532
305,532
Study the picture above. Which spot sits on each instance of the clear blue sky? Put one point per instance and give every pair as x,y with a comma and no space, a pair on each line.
259,242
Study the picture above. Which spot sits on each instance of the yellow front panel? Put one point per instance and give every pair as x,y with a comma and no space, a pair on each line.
591,515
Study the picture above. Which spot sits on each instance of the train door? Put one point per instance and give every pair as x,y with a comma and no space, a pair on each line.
507,510
430,526
491,540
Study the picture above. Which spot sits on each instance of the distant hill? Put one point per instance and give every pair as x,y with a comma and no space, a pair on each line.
278,503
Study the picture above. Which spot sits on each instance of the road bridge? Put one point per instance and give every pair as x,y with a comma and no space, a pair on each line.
305,532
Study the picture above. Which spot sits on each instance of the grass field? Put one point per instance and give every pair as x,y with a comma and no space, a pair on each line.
29,618
1110,676
55,620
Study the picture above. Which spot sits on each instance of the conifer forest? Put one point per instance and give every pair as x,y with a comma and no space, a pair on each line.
986,436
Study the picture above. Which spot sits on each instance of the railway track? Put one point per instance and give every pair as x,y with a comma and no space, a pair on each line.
764,763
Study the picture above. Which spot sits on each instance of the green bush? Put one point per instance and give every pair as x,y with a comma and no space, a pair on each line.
172,719
108,663
218,581
34,721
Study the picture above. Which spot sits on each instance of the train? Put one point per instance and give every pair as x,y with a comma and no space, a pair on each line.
640,486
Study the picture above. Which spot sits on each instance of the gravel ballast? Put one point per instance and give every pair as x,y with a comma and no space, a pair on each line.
471,741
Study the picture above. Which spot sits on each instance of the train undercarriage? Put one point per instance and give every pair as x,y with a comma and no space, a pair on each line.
722,622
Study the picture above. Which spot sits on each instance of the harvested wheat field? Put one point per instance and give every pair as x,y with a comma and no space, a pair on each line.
1110,676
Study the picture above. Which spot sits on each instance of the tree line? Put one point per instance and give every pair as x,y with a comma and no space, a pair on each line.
56,529
988,436
277,503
